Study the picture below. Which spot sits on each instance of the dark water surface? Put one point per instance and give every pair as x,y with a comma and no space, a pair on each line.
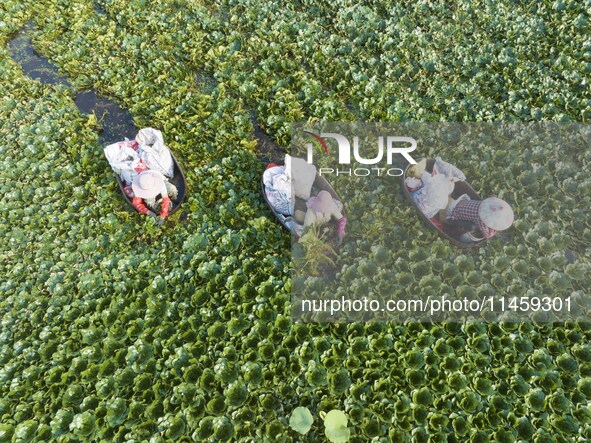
99,10
207,83
269,151
33,65
117,123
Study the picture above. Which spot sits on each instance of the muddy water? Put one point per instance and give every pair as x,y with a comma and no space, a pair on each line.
116,122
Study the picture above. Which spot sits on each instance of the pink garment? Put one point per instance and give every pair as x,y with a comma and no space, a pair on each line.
321,203
129,144
141,165
341,223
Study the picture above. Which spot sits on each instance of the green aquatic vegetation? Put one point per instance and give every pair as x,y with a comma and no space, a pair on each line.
113,329
315,252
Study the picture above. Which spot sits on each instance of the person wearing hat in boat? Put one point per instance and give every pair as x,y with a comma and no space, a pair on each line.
489,215
148,189
321,209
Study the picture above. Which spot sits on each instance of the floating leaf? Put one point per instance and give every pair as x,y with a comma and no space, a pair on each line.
335,424
301,420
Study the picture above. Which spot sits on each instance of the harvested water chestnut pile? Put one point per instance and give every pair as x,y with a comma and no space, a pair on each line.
115,329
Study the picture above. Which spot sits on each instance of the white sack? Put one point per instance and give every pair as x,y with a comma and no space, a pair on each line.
449,170
301,174
154,152
123,160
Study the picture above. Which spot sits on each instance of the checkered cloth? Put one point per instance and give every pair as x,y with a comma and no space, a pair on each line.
469,210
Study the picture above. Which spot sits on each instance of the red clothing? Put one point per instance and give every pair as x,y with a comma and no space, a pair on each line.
436,223
469,210
165,206
138,203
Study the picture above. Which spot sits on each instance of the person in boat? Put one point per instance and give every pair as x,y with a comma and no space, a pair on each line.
321,209
148,191
488,216
144,172
432,194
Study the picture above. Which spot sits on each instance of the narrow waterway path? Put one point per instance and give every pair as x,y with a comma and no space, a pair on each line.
116,122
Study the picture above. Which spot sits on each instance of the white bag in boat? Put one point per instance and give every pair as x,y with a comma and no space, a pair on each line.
154,152
449,170
123,160
278,190
301,175
434,195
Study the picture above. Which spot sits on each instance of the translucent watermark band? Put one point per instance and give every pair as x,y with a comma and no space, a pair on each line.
420,248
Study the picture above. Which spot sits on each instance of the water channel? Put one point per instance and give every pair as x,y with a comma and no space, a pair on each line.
116,122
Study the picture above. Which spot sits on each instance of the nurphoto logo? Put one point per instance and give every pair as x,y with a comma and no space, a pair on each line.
392,145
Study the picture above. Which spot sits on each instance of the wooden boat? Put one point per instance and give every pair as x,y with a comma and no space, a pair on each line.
451,232
320,184
177,180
